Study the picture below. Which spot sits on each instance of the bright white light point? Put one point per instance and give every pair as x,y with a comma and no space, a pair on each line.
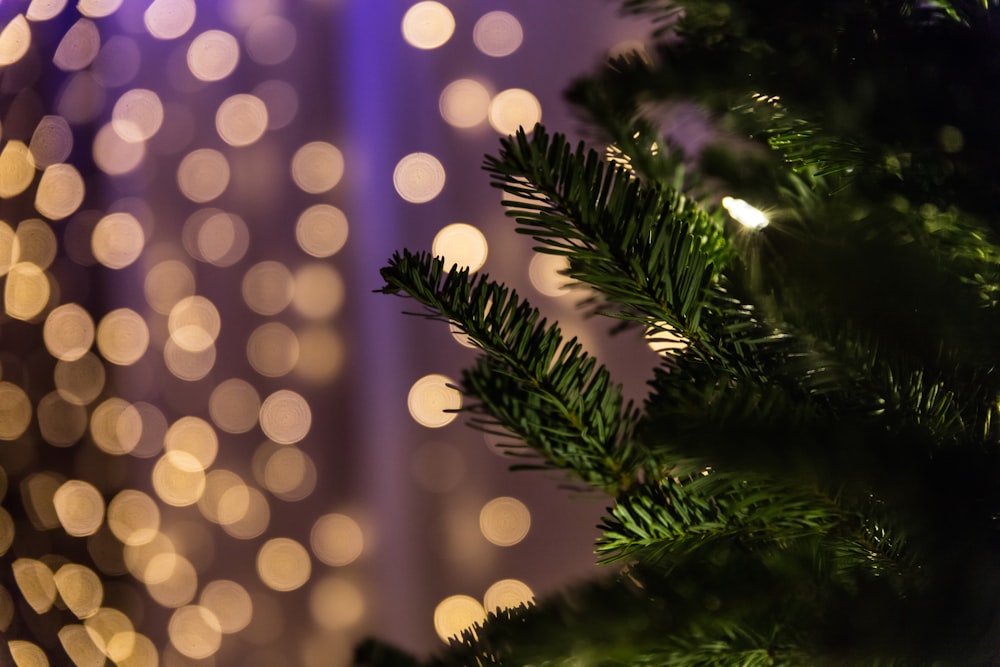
430,397
460,244
418,177
428,25
744,213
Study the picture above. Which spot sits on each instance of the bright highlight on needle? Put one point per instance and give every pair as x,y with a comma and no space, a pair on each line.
744,213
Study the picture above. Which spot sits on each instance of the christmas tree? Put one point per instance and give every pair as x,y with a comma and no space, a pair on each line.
813,477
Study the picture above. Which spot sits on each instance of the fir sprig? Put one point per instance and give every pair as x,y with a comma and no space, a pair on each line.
655,256
547,391
676,516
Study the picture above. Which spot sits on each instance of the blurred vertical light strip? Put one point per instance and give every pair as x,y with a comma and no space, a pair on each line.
372,52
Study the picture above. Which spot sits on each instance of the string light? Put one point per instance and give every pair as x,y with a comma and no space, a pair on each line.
745,214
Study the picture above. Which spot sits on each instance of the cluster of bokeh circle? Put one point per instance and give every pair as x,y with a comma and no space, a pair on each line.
433,399
101,117
77,160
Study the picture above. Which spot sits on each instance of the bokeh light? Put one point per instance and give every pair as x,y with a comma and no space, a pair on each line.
241,119
80,507
98,8
43,10
122,336
464,103
181,294
336,539
234,406
455,614
216,237
203,175
133,517
547,274
514,108
255,521
178,478
321,230
433,401
226,499
60,422
51,142
285,417
80,588
114,155
428,25
270,40
230,603
78,47
336,603
80,382
268,287
504,521
17,169
195,632
15,411
80,646
137,115
27,291
319,291
497,34
36,582
283,564
290,474
418,178
117,240
507,594
462,244
15,39
273,349
36,243
169,19
187,364
213,55
321,353
27,654
194,323
166,283
68,332
194,436
60,191
317,167
114,428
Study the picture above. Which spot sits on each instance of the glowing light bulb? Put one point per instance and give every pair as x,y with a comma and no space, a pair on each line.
744,213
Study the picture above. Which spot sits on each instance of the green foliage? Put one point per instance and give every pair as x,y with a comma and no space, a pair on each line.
547,391
814,476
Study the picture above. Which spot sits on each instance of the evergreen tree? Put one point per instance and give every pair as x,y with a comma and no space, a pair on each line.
813,477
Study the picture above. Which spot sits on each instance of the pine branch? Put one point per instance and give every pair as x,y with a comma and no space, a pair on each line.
654,255
546,391
677,516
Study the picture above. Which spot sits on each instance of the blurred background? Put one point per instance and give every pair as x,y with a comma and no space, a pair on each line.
219,446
